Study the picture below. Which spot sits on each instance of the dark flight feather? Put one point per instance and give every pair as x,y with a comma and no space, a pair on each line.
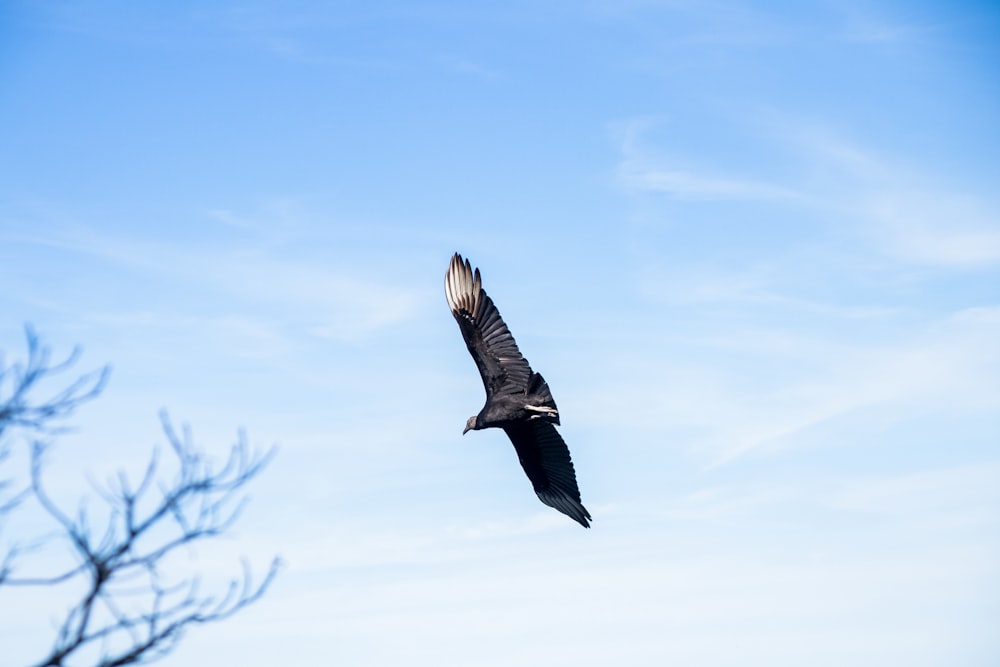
546,461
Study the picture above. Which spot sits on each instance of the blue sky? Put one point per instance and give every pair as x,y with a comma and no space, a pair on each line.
753,247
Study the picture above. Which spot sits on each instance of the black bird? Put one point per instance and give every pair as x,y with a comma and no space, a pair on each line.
518,400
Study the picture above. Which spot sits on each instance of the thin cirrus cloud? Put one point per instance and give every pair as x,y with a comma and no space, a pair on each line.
822,383
643,169
939,363
943,230
690,185
963,495
328,300
957,496
948,369
884,202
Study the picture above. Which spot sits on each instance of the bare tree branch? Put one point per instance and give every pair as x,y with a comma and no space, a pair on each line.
134,607
18,409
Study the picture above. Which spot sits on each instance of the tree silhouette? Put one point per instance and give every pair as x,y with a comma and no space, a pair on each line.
128,604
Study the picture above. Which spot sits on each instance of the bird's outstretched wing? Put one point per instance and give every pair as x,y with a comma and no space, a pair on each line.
492,346
545,459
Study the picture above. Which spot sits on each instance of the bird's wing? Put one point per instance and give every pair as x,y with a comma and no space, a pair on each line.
545,459
492,346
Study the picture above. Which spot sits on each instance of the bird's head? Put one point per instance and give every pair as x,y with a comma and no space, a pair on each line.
470,425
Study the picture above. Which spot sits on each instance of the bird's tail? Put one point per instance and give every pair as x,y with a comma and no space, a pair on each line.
540,394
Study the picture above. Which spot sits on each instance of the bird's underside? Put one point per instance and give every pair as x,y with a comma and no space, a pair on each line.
518,400
535,402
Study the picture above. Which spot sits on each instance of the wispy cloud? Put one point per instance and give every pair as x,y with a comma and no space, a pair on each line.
793,389
865,25
936,229
690,185
898,206
642,170
967,495
718,503
329,300
755,286
892,206
471,68
871,31
948,369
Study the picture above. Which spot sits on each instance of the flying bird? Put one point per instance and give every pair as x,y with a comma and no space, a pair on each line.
518,400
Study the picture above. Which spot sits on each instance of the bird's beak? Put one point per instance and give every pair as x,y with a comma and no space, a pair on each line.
466,430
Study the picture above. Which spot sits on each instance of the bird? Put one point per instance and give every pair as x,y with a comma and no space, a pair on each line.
518,400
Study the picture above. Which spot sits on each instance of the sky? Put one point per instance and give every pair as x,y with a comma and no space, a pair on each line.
754,248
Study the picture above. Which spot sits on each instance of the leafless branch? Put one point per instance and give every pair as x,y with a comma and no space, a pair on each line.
20,380
20,407
197,504
134,606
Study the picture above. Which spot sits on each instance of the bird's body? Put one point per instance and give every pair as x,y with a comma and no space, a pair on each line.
518,400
